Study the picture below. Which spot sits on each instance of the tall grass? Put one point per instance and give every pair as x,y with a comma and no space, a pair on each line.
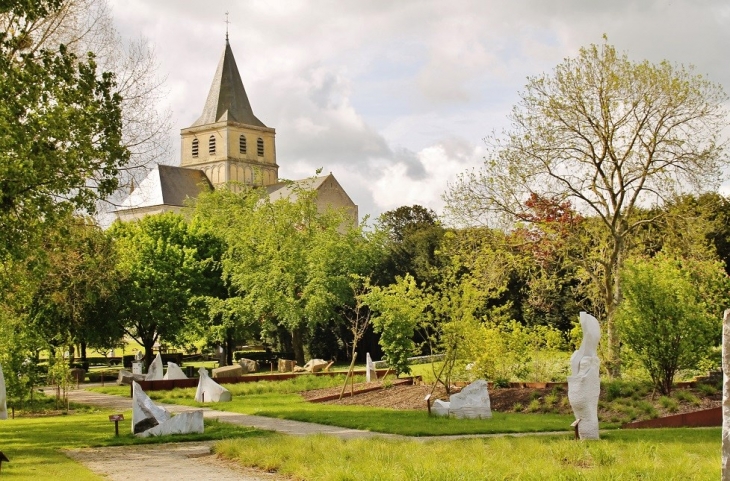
674,454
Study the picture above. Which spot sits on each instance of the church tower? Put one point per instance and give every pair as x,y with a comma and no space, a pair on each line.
228,142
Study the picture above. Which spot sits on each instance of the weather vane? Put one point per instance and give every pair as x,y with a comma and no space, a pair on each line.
227,22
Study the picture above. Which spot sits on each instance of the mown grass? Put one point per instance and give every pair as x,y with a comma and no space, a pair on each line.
670,454
35,445
279,400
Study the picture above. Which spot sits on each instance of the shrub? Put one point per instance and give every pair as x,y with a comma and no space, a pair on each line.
665,316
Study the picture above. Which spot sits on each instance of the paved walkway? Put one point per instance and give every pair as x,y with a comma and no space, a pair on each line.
286,426
295,428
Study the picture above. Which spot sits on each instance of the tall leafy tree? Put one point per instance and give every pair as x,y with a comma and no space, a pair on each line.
76,279
60,130
414,235
289,262
161,269
609,135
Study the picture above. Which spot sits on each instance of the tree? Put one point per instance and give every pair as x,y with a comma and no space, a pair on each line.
161,269
396,311
609,135
414,234
60,131
84,26
288,262
670,313
76,278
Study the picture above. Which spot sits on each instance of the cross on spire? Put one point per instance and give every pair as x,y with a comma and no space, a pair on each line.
227,22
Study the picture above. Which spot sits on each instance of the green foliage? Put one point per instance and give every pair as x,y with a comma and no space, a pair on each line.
397,309
161,267
669,316
288,263
509,350
60,124
593,132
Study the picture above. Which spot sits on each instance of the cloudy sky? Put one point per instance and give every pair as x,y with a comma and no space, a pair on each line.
394,97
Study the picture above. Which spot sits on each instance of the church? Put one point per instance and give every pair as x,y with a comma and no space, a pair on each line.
227,143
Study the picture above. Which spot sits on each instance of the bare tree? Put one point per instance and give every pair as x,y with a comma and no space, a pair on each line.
609,135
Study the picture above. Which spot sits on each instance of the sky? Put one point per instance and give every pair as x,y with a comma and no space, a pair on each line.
395,97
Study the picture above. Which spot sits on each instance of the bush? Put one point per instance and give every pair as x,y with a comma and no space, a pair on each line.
666,316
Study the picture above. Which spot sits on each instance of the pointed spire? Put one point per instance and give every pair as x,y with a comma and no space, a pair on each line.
227,99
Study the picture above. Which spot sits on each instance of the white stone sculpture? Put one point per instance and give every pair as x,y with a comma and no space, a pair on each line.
584,385
316,365
149,419
3,396
209,390
370,374
174,372
726,396
145,414
156,369
471,403
182,423
440,408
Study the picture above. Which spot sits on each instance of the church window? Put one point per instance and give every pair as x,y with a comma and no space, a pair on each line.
242,144
260,147
195,148
211,145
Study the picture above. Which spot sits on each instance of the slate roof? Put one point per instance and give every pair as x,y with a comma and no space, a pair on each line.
288,190
227,99
167,185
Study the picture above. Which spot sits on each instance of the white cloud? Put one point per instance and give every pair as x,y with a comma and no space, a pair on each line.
374,90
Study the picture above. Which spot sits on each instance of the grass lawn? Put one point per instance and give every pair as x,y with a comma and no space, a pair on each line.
668,454
280,400
35,445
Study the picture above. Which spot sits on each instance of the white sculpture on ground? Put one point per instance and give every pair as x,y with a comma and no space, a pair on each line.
726,396
584,385
209,390
174,372
471,403
370,374
3,396
155,371
149,419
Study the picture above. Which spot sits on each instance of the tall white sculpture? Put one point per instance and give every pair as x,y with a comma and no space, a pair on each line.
584,386
155,371
209,390
726,396
370,374
174,372
3,396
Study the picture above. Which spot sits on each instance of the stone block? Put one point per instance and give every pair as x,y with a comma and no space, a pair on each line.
77,374
286,365
125,378
248,365
228,371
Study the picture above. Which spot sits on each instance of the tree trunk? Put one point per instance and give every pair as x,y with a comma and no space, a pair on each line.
84,360
148,346
298,345
613,299
71,357
230,346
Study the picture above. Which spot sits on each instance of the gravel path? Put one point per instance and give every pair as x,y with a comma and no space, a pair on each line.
165,462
